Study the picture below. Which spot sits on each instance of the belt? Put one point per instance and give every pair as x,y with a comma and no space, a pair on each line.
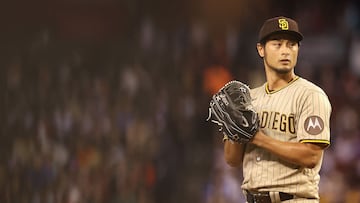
264,197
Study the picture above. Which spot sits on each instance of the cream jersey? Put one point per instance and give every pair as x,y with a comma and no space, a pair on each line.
299,112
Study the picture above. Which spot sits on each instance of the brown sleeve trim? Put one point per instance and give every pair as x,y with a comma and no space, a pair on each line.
325,143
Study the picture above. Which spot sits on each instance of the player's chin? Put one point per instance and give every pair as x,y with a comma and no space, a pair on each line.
283,69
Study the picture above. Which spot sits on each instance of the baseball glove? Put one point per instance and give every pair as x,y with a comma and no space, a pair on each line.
231,109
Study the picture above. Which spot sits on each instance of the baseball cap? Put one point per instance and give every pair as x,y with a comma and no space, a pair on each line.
280,24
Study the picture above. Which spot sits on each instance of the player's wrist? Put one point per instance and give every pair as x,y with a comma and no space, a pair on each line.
258,138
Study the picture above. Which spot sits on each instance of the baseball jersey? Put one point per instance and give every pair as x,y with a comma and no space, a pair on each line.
299,112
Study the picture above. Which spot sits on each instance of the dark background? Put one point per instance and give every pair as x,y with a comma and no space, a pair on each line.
106,101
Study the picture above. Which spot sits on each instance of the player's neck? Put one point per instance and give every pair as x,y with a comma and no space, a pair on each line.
276,82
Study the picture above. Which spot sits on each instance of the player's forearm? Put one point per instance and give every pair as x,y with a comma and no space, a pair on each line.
233,153
306,155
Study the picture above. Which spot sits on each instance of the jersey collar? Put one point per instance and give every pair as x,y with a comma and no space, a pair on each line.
273,91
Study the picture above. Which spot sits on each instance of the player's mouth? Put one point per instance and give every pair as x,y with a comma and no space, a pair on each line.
285,61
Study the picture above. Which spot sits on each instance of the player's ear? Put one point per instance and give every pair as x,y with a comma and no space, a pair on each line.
260,49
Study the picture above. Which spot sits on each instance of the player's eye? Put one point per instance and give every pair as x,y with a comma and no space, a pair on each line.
291,44
277,44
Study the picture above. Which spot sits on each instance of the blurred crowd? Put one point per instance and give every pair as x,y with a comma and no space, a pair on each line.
123,121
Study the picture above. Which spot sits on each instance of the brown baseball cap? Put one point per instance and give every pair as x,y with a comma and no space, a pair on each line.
280,24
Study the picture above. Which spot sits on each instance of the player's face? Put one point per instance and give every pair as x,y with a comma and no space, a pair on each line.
280,53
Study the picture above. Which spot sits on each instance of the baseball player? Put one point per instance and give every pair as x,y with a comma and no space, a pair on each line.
281,162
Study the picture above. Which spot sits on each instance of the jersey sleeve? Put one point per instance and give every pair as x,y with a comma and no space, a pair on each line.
314,120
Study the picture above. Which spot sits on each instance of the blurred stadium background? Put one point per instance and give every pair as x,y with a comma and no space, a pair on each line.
105,101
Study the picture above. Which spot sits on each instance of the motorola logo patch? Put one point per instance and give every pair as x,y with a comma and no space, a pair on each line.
314,125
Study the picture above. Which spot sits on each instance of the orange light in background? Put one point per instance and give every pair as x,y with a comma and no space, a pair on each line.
215,77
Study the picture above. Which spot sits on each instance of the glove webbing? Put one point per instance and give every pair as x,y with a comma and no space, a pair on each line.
221,122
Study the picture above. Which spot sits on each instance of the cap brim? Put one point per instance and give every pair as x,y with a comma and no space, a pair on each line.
296,35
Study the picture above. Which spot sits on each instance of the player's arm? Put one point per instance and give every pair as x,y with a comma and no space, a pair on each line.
304,154
233,152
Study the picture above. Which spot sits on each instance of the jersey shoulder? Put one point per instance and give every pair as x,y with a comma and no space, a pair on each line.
308,86
258,90
311,91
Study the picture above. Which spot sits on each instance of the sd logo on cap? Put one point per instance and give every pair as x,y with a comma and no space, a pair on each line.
283,24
